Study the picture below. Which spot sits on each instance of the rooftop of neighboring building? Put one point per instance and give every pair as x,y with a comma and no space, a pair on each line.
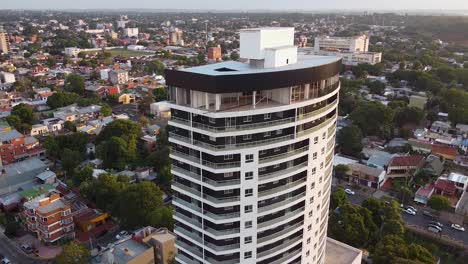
20,174
443,150
425,190
412,161
52,206
128,250
10,135
339,253
376,172
458,178
340,160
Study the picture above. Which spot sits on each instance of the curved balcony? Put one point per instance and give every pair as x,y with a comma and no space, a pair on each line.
222,234
186,205
281,234
189,175
284,246
222,200
225,183
179,187
287,202
288,256
277,175
225,249
226,218
279,220
317,127
188,248
283,155
279,190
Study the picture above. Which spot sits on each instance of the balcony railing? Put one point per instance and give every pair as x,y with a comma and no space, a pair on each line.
188,248
187,189
186,219
226,232
221,216
184,259
214,261
287,256
275,174
182,155
283,155
223,183
286,243
194,236
192,206
221,200
282,188
276,220
318,111
224,165
280,233
287,201
223,247
317,127
187,173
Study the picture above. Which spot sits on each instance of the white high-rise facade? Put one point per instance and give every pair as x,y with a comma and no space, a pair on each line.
252,150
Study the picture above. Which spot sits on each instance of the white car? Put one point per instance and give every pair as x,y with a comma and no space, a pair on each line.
458,227
409,211
349,191
5,260
121,235
412,208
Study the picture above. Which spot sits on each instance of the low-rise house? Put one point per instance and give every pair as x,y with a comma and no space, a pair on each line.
462,129
54,125
127,98
461,161
149,142
440,127
21,175
363,175
160,109
15,147
404,166
448,153
379,159
424,193
75,113
420,145
434,165
460,180
39,129
50,218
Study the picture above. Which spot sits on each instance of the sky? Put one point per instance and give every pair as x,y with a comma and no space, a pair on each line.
279,5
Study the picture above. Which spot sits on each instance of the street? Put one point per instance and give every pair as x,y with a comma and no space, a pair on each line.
417,220
12,251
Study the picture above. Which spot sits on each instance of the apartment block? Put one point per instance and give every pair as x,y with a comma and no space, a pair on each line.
50,218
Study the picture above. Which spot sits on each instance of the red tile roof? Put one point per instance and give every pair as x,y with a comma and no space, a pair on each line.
445,185
412,161
444,150
426,190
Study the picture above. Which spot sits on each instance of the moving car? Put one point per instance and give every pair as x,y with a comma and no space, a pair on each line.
349,191
435,226
121,235
458,227
436,223
409,211
428,215
433,229
27,249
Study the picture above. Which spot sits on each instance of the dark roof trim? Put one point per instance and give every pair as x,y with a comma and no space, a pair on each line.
251,81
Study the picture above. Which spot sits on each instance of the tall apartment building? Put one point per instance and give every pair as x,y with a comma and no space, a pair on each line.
252,150
4,45
352,50
50,218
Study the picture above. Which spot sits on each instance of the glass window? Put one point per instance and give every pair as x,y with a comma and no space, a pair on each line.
249,158
248,208
248,254
247,118
248,224
248,240
249,175
248,192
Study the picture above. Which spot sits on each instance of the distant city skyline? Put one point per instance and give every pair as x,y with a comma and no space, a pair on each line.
303,5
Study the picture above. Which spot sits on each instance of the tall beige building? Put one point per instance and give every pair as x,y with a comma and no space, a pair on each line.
3,42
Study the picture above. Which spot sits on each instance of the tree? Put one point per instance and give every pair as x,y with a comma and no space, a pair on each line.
160,94
338,199
60,99
393,227
70,126
349,139
162,217
439,203
373,118
155,66
70,160
117,153
376,87
21,118
106,110
137,203
388,249
397,104
234,56
341,170
74,253
75,83
408,115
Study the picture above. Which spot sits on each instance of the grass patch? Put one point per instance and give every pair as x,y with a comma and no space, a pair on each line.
123,53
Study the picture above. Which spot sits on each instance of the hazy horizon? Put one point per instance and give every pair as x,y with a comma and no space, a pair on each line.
273,5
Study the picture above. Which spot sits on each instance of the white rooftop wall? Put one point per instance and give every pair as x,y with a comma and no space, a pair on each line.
253,42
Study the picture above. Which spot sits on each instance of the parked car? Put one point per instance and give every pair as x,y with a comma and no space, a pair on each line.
349,191
409,211
436,223
428,215
458,227
412,208
121,235
4,260
27,249
435,226
433,229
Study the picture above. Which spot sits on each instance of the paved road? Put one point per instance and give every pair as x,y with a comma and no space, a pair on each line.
418,219
11,250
